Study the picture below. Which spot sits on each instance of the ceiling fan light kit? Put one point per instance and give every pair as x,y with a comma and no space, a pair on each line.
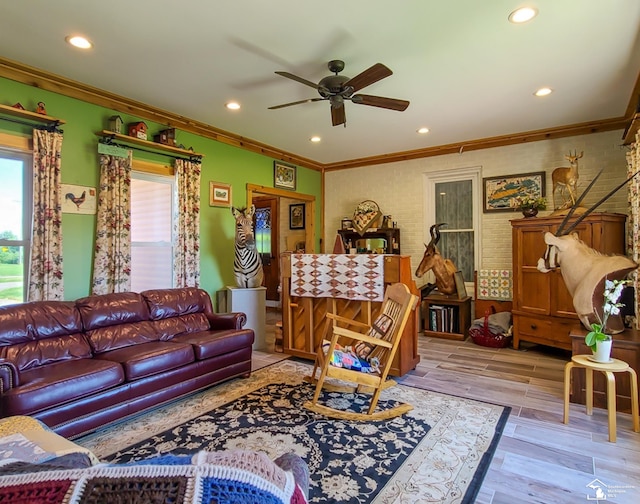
338,88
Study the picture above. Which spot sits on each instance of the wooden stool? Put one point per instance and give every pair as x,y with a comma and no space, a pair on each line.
615,366
279,339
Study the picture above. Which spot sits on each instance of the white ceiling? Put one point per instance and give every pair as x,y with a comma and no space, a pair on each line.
468,73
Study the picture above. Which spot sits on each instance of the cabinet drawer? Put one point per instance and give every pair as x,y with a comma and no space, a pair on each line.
544,331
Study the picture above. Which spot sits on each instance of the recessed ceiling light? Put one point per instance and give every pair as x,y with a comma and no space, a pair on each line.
422,131
543,91
523,14
79,42
315,139
232,105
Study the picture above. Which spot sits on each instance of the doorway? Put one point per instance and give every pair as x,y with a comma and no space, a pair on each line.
280,236
266,226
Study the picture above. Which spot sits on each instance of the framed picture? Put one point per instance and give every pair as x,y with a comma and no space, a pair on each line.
78,199
499,193
296,216
284,175
461,288
219,194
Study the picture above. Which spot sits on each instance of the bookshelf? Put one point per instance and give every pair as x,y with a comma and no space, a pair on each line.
446,316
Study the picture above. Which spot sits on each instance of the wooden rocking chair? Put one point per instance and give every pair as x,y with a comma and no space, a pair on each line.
379,344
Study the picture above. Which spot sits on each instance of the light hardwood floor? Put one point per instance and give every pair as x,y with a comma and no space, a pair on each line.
538,459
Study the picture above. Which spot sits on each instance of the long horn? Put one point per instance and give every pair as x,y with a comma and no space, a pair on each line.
576,205
602,200
435,233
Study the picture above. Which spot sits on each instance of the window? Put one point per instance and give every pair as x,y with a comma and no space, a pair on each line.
15,225
452,197
152,202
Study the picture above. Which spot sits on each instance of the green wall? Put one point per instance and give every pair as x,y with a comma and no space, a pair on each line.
221,163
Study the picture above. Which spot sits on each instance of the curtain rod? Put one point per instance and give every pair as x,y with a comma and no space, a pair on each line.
109,141
52,127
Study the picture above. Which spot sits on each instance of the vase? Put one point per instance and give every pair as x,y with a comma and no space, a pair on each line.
602,352
529,212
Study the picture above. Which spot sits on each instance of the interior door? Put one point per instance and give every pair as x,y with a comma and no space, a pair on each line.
266,226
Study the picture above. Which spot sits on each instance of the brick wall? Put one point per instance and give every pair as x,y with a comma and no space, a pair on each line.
398,188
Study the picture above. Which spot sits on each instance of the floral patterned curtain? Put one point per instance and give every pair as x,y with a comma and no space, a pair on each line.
45,275
633,224
112,257
186,269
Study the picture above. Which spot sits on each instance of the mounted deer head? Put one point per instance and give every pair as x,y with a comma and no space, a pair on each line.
566,179
583,269
443,269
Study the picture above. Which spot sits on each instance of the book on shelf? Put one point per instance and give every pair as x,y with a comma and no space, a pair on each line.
443,318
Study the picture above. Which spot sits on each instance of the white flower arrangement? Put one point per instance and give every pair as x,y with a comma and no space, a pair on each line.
612,293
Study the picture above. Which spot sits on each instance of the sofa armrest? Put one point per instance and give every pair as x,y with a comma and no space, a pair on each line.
223,321
8,375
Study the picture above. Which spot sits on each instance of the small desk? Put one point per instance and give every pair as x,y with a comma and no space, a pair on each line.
615,366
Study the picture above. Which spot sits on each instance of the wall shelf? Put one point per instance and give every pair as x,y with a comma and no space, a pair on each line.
146,144
392,235
30,116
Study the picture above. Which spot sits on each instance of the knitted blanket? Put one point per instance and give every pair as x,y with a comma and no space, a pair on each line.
235,476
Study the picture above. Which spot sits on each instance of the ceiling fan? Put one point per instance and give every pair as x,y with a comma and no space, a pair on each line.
338,88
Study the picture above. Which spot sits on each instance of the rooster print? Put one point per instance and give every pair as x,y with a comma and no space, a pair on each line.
77,200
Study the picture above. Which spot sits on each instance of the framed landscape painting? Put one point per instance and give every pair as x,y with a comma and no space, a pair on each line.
499,193
219,194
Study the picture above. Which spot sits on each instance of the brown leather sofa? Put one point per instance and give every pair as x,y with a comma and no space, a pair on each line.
79,365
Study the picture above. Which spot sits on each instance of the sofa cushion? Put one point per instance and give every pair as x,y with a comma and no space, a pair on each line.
207,344
147,359
40,333
167,303
105,339
176,311
47,351
112,309
52,385
167,328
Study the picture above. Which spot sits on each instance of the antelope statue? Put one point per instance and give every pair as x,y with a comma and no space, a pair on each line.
565,178
583,269
443,269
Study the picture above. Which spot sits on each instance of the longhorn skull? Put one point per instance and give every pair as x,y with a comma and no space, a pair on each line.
443,269
583,269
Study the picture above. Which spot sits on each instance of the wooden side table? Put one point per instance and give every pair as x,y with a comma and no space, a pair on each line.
615,366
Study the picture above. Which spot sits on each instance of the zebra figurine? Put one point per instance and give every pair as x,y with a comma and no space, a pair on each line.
247,265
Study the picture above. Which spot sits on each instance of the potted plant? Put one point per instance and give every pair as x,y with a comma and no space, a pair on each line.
597,339
530,205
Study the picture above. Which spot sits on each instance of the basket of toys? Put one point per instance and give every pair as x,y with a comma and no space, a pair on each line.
494,330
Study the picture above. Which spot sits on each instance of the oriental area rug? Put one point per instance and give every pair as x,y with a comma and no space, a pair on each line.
438,452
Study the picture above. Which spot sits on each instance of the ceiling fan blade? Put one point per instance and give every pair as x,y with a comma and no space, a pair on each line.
338,115
299,79
308,100
380,101
369,76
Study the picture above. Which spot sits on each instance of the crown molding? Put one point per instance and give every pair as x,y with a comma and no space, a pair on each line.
57,84
73,89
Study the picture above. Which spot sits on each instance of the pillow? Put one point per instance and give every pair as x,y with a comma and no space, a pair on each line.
379,329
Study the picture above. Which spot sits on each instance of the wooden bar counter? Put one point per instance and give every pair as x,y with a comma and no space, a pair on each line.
305,325
626,347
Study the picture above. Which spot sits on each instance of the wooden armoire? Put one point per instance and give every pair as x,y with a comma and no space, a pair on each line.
542,307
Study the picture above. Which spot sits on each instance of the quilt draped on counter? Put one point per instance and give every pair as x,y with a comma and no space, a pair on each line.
359,277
